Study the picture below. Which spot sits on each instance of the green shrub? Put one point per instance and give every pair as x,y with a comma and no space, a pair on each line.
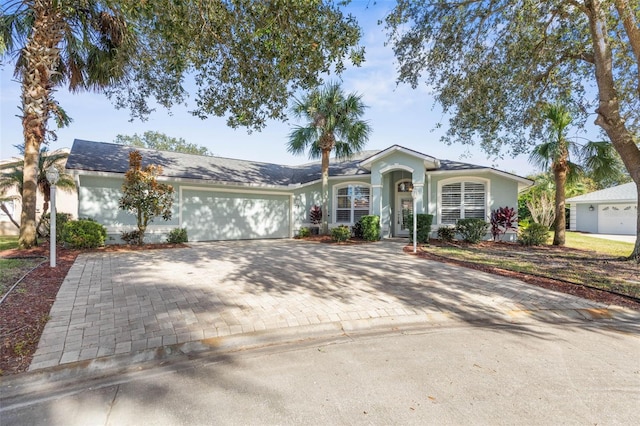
177,236
340,233
84,233
45,224
304,232
423,227
446,234
472,230
535,234
370,227
131,237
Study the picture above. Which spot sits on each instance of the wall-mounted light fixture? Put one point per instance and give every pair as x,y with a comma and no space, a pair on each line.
591,208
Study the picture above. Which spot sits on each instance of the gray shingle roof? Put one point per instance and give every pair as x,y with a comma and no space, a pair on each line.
624,192
114,158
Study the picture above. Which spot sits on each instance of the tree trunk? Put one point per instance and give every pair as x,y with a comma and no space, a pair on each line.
28,233
4,208
560,221
41,56
609,116
324,230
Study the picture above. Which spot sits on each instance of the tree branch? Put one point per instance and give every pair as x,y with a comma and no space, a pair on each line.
633,32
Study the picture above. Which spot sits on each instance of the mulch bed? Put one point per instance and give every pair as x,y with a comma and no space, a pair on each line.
548,283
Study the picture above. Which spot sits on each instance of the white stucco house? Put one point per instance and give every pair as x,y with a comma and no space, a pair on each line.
227,199
608,211
66,202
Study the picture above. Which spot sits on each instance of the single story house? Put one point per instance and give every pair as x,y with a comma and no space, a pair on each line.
66,201
608,211
227,199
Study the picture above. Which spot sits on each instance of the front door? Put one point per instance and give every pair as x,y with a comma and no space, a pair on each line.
404,209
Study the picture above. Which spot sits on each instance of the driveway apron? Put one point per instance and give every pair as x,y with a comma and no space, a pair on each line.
122,303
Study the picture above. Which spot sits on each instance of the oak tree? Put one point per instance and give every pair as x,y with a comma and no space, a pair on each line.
492,64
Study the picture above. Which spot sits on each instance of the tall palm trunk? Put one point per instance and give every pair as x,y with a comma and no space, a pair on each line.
41,55
560,222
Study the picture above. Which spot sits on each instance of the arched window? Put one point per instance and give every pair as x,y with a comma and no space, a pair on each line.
463,200
352,201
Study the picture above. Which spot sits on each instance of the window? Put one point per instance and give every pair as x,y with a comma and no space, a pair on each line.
352,202
463,200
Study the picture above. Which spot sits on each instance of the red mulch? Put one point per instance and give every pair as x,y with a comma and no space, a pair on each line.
548,283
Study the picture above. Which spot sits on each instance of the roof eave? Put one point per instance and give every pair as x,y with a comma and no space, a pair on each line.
429,161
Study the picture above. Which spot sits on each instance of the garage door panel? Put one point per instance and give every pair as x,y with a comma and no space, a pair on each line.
210,216
617,218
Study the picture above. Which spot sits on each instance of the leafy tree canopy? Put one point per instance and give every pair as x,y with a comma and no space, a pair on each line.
246,58
492,64
161,142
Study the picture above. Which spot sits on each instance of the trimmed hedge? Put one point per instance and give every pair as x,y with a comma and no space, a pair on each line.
423,225
84,233
535,234
370,227
304,232
446,234
177,236
341,233
472,230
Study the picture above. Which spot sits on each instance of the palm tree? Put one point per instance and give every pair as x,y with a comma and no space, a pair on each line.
333,123
597,157
79,43
12,175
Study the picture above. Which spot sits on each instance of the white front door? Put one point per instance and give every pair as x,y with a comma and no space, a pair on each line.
404,208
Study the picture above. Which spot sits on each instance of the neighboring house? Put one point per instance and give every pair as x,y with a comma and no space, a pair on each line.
226,199
66,202
608,211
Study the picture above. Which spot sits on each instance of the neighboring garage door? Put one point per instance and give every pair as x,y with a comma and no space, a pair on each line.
617,218
211,216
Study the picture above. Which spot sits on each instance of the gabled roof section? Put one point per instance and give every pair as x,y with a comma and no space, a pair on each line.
622,193
429,161
105,157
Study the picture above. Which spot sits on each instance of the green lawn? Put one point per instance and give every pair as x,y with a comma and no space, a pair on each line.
8,242
599,245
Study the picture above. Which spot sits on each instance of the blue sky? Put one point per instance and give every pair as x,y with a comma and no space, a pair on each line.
398,114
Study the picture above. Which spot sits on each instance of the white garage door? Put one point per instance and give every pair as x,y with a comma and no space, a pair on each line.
617,218
211,216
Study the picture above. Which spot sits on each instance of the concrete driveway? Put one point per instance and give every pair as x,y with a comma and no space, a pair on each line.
128,304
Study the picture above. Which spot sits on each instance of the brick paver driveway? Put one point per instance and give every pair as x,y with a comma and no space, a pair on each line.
118,303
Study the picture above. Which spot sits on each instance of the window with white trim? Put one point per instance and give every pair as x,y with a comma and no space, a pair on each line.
352,202
463,200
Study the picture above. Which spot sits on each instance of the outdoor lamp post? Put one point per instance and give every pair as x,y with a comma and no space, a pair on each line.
52,177
414,196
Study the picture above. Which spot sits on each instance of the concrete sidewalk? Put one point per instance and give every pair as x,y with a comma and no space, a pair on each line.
538,374
122,304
